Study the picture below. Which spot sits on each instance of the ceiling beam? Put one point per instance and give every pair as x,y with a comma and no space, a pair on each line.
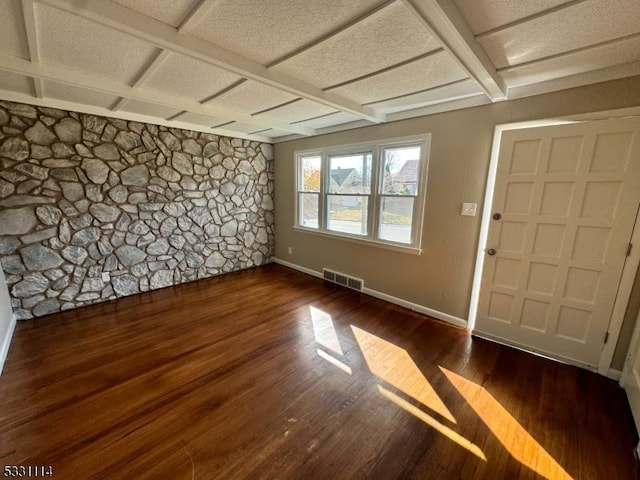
166,37
446,24
32,41
137,117
100,84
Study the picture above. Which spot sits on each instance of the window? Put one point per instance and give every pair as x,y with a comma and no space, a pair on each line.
372,192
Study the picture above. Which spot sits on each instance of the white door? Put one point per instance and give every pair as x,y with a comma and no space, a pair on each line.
631,376
564,207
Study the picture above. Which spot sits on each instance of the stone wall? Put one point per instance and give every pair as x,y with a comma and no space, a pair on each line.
95,208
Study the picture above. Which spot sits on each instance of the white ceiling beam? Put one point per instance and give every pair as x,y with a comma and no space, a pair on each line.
166,37
195,15
32,41
446,24
137,117
100,84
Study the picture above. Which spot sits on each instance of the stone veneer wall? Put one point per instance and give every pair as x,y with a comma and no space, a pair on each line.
95,208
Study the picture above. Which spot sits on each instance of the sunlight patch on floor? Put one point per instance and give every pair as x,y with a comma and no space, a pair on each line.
513,436
335,362
324,330
396,367
432,422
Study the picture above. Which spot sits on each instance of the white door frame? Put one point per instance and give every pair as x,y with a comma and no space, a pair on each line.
631,263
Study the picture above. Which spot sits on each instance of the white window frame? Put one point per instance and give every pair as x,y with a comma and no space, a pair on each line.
375,197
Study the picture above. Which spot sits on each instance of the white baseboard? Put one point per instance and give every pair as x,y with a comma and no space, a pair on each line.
6,342
459,322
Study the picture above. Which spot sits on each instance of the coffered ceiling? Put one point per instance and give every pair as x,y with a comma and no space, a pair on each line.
280,69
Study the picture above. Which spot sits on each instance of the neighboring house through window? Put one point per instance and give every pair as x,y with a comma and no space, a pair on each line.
373,192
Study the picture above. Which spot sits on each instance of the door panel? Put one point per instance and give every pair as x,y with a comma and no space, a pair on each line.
567,196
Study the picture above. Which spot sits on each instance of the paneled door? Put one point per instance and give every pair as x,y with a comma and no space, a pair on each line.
563,211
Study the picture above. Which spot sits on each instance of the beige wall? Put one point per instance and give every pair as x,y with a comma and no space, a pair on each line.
441,277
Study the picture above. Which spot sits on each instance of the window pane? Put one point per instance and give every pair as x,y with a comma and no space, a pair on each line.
308,205
347,214
310,171
400,170
350,173
395,219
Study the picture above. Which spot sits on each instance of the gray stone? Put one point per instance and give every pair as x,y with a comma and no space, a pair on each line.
118,194
67,174
104,247
72,191
138,176
129,255
140,270
168,174
48,306
12,264
267,202
37,257
30,302
35,171
139,228
93,192
60,163
15,148
188,183
62,150
70,293
17,221
69,130
215,260
225,146
177,241
168,226
227,188
106,151
200,216
40,152
75,255
49,215
159,247
6,189
138,197
124,285
31,284
210,149
260,163
83,151
8,245
80,222
4,117
93,124
18,200
39,236
92,284
40,134
189,145
161,279
97,171
104,213
128,140
174,209
245,167
85,237
87,297
170,141
194,260
229,229
218,172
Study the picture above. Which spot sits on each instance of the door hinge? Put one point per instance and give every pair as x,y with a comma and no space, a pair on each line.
606,337
629,249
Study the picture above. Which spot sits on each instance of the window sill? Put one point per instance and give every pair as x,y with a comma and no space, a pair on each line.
363,241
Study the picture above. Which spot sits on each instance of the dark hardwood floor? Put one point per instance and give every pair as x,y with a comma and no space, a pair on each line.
269,373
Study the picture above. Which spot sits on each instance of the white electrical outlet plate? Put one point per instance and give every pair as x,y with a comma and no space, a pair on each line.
469,209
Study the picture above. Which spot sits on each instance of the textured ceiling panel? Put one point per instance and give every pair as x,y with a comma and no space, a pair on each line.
484,15
329,120
300,110
388,37
609,55
201,119
273,133
68,41
245,128
16,83
578,26
252,97
170,12
266,30
150,109
13,37
463,89
430,72
190,78
78,95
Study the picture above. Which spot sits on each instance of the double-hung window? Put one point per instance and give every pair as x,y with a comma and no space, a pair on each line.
373,192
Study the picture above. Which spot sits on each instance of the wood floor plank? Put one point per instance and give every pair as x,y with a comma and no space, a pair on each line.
269,373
